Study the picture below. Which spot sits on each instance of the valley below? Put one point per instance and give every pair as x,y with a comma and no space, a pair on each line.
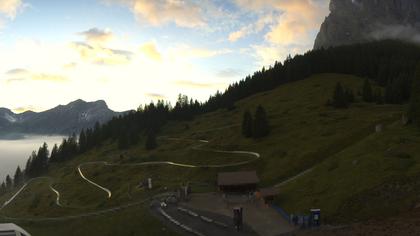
16,149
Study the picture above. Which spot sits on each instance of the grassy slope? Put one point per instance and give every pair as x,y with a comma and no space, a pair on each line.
305,133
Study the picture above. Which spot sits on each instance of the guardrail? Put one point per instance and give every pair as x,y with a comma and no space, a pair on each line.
282,212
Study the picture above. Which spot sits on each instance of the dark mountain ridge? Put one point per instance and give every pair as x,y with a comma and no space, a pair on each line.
63,119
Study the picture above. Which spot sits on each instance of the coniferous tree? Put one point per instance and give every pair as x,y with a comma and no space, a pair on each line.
151,141
54,157
82,141
29,168
247,124
261,127
340,98
367,92
18,178
3,188
43,155
9,182
414,109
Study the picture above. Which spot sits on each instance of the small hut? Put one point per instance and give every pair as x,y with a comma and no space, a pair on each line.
238,182
267,194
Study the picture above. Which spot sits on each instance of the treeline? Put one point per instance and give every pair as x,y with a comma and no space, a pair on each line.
390,64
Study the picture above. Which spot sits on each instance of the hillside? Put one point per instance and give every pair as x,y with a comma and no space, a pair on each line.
350,164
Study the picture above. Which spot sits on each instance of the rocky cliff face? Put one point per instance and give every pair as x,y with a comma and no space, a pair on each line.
355,21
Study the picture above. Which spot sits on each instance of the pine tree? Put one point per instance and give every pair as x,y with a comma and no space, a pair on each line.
247,124
18,178
3,188
54,154
43,155
340,98
29,168
82,141
9,182
261,127
414,109
367,92
151,141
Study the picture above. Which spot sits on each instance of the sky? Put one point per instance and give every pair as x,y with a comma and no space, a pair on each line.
131,52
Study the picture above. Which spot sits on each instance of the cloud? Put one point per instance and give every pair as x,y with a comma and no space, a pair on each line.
287,26
188,52
198,85
97,36
254,28
70,66
150,51
49,77
295,21
156,96
228,73
17,72
184,13
100,55
26,108
20,75
10,8
402,32
267,54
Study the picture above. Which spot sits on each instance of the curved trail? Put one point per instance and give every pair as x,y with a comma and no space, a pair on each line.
57,201
255,156
170,163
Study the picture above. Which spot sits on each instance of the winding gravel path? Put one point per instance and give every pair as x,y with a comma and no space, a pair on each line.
255,156
170,163
57,201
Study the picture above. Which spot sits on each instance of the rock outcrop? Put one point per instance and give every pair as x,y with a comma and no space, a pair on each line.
356,21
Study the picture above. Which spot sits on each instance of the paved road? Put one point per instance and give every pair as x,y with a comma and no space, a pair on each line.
263,219
197,224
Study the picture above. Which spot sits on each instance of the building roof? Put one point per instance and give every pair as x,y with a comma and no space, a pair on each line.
237,178
269,192
12,228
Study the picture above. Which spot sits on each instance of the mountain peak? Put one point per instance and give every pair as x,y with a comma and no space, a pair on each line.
358,21
63,119
81,102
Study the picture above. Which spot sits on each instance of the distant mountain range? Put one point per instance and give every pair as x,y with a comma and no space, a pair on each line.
63,119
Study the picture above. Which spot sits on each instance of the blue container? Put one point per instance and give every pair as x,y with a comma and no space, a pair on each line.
316,217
